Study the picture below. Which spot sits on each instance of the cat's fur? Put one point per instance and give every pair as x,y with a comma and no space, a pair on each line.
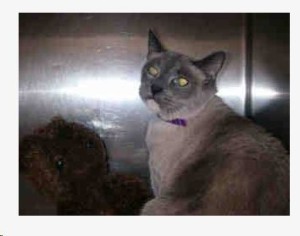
220,163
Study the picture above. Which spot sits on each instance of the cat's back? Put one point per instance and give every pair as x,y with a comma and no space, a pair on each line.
241,137
220,163
243,170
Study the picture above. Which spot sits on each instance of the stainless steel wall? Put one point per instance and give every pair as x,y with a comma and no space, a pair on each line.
86,68
270,103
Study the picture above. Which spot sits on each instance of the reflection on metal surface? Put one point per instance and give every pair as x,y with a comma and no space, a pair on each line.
111,89
104,89
231,91
271,66
266,93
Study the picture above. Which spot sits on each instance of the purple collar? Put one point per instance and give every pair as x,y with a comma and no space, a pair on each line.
180,122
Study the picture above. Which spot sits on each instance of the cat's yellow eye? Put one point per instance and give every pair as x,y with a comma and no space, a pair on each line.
182,82
153,71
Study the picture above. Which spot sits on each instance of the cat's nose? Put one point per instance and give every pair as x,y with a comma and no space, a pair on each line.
156,89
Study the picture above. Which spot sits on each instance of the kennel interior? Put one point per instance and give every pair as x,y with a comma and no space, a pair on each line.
86,68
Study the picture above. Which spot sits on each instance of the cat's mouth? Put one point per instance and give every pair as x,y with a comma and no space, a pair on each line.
152,104
148,97
154,97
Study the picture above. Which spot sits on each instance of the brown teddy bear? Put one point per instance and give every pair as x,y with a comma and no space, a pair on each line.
66,162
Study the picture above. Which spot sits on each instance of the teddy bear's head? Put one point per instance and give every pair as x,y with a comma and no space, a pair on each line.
62,155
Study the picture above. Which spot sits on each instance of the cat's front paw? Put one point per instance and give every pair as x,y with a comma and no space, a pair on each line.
159,206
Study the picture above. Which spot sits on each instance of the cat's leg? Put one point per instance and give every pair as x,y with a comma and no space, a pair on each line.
154,184
163,206
156,206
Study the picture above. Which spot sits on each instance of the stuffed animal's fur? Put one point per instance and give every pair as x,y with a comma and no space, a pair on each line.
66,162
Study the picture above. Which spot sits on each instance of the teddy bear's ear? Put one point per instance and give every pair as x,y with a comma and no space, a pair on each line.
50,130
57,122
29,148
57,119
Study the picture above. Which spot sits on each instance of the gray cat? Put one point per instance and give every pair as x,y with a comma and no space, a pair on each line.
204,158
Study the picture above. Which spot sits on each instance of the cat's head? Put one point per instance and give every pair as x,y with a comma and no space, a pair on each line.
174,85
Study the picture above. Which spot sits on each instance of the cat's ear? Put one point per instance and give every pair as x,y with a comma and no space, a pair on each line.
212,64
154,45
